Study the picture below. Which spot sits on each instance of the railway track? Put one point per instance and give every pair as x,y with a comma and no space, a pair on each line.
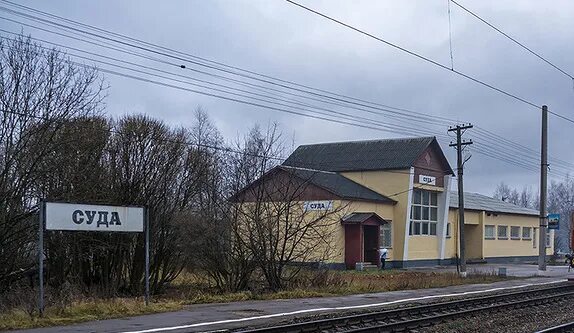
564,328
410,318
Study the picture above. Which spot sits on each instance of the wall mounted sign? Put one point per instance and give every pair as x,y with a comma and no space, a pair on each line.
318,205
427,180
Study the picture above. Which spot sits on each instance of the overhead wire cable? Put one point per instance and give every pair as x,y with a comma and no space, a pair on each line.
234,73
428,60
522,45
400,132
214,62
414,54
391,127
108,57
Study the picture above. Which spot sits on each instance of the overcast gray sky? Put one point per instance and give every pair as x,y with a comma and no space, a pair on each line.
281,40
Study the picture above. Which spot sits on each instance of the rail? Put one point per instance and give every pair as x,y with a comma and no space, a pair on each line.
568,327
407,318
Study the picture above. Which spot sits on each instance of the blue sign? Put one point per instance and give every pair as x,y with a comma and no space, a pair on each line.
553,221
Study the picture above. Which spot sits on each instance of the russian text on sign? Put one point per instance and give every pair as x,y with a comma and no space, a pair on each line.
84,217
317,205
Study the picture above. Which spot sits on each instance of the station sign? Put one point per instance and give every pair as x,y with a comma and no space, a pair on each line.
427,180
553,221
323,205
84,217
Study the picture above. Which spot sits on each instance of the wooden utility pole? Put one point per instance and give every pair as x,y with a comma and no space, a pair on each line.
460,144
543,191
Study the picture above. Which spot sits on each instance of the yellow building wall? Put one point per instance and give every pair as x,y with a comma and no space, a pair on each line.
513,247
423,247
451,242
328,235
394,184
333,251
385,211
473,240
477,247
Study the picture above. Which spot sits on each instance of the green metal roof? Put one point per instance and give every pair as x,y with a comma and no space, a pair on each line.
475,201
386,154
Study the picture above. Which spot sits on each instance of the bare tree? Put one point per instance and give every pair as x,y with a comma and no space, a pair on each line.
40,90
561,201
506,193
279,230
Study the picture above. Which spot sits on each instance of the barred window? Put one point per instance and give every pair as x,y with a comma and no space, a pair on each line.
424,213
514,232
502,232
526,233
387,235
488,232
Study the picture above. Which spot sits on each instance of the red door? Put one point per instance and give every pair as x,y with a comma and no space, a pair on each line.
353,245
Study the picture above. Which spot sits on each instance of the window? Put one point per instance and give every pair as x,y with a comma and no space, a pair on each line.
502,232
526,233
534,238
488,232
548,239
387,235
448,230
514,232
424,213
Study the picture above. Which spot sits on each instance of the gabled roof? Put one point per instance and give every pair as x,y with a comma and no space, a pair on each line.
475,201
337,184
367,155
360,218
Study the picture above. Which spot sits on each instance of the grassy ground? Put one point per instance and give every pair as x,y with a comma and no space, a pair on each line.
193,289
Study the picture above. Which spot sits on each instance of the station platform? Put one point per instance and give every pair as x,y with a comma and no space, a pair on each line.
220,317
517,270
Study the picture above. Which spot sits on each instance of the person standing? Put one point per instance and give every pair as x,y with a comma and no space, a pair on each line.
383,253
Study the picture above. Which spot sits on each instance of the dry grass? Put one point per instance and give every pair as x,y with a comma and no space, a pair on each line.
195,289
85,311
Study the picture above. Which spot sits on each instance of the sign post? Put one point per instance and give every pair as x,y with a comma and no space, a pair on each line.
146,214
87,217
41,258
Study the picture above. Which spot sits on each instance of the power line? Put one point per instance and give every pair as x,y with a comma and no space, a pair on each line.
504,159
188,143
512,39
412,53
305,91
483,83
198,145
415,116
194,56
380,125
215,62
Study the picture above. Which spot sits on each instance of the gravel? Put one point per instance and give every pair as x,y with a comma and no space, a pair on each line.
530,319
320,316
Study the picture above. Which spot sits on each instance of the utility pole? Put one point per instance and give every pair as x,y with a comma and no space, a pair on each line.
460,144
543,191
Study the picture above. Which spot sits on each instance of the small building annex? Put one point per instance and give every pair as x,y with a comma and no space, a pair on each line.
395,193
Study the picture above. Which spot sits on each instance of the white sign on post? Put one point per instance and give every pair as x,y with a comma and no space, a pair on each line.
82,217
85,217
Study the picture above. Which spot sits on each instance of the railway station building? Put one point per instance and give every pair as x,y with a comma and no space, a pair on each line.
395,193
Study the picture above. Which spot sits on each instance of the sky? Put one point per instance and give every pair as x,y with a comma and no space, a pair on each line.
281,40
